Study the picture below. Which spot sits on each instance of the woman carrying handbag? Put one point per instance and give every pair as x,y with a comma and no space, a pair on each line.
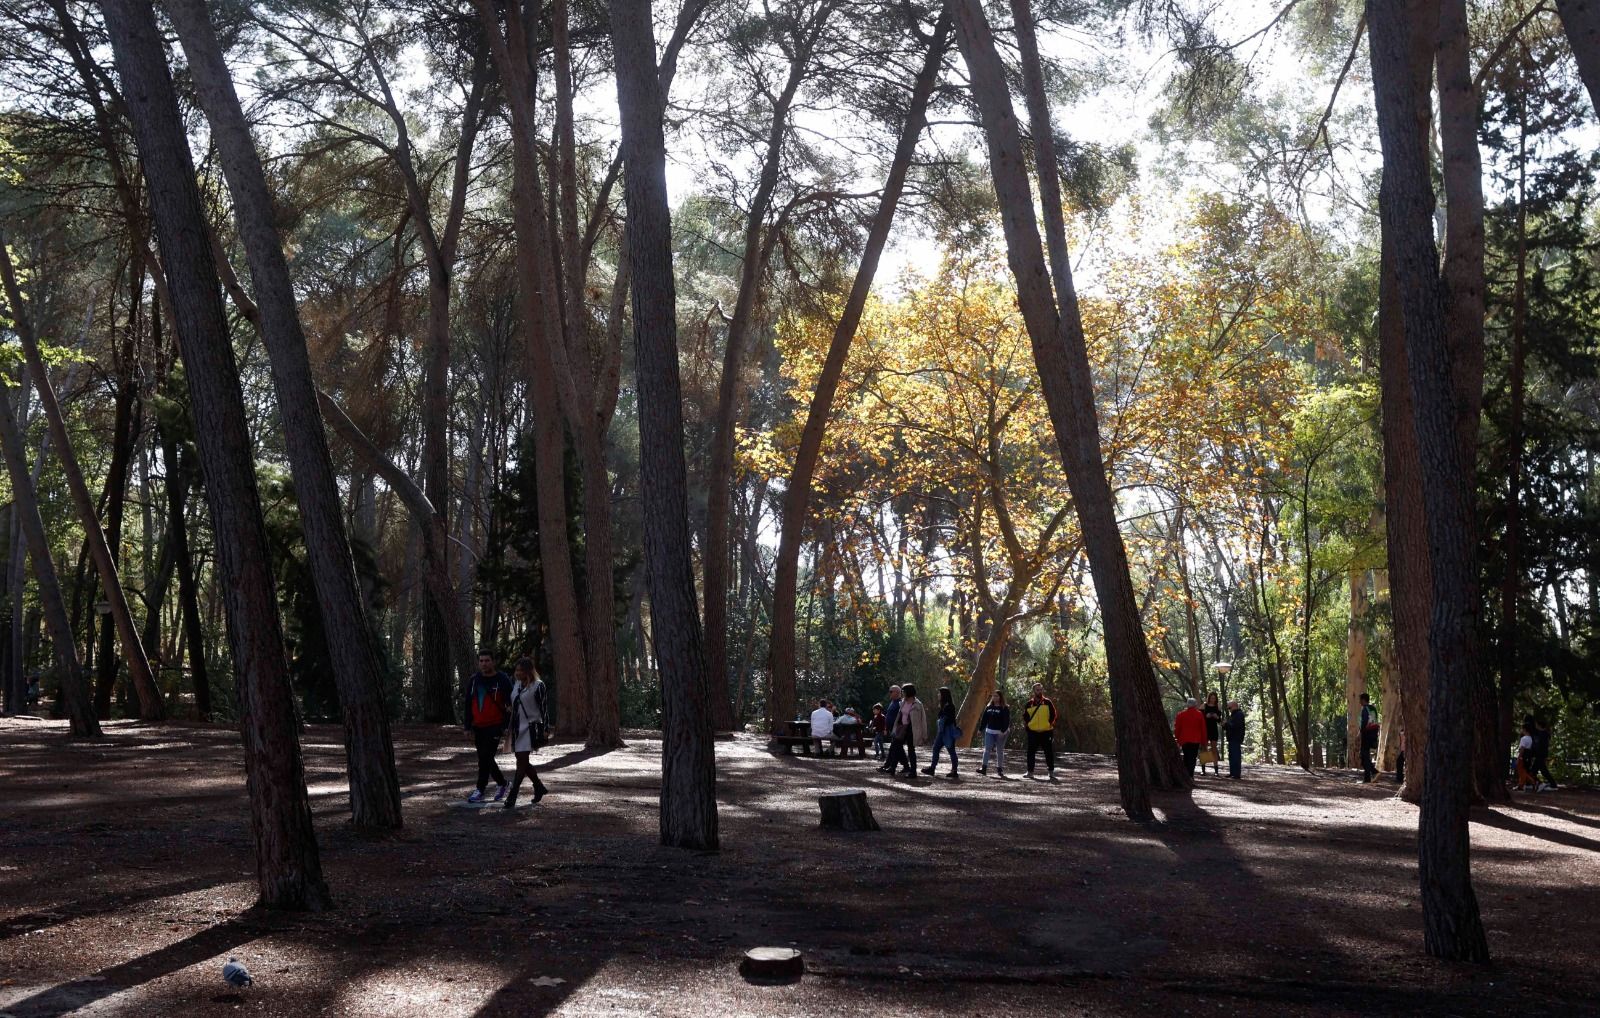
526,733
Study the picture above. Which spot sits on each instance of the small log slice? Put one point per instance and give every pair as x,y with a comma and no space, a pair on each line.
772,964
847,810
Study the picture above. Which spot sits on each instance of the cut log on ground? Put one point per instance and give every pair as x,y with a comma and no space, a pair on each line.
847,810
772,964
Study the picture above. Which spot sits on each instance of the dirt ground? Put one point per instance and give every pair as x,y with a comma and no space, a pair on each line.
126,881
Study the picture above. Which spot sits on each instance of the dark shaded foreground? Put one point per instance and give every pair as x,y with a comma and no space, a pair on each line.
126,881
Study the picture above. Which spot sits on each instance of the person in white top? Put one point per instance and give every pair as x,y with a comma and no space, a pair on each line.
529,716
821,723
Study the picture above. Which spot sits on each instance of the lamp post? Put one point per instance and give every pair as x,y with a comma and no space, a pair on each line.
1222,669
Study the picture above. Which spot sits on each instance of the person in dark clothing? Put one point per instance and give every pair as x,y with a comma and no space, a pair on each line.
1213,715
996,722
1234,729
1541,755
488,707
891,715
1369,737
946,735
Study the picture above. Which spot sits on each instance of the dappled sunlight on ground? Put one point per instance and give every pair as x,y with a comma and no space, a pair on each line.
127,885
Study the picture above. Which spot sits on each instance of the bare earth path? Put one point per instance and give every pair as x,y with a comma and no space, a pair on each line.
126,881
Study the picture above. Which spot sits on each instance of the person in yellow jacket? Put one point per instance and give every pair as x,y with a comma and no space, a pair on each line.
1039,718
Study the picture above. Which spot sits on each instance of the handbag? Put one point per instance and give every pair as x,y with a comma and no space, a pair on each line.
1207,756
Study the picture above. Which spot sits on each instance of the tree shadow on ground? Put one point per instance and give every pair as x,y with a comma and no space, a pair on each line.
34,922
80,993
1505,822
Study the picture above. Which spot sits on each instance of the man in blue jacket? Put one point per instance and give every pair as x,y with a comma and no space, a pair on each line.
897,754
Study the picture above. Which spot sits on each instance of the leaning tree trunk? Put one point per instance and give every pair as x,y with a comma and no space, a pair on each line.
688,763
25,503
352,643
1581,21
150,706
113,503
797,495
178,484
1452,927
1146,754
288,869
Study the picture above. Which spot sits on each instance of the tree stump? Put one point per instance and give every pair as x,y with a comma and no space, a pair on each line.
847,810
772,964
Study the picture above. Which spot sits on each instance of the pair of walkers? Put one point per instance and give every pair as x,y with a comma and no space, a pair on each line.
906,721
498,708
1038,720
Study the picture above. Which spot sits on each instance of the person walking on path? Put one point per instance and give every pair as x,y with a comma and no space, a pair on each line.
891,721
1234,729
1369,737
488,707
1039,718
909,724
1525,778
1541,755
946,736
529,719
996,721
1189,728
1213,715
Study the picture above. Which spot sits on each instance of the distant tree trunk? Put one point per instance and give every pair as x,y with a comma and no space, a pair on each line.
25,503
352,642
1516,385
150,706
288,869
1581,21
797,495
179,480
688,763
1452,926
1355,660
113,500
1146,754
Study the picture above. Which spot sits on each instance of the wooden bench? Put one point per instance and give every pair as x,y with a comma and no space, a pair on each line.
843,743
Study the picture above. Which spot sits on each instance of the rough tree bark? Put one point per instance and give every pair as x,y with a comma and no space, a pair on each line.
1355,666
797,494
1146,754
1581,21
688,763
288,869
179,481
352,643
150,706
1452,927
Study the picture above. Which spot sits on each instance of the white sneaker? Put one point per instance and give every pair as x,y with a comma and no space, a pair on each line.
1543,787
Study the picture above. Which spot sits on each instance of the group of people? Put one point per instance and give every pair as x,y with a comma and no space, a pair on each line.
1199,731
902,724
502,710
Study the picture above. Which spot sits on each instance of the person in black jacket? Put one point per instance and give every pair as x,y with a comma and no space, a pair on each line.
1234,729
996,721
1369,737
488,706
1541,755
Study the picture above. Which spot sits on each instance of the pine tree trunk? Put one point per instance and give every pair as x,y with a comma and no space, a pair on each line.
688,764
150,706
288,869
113,500
1146,754
1581,21
1452,926
797,495
25,502
179,480
1355,660
352,642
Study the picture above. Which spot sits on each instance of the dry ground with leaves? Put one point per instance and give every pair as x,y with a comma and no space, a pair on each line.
126,882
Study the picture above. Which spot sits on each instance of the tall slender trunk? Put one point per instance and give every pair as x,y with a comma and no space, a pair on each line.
288,868
150,706
1516,384
114,498
797,494
1452,927
74,687
1581,21
688,762
1146,755
352,642
1355,670
179,480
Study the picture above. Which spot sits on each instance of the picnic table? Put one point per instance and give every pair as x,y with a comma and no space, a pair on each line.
796,734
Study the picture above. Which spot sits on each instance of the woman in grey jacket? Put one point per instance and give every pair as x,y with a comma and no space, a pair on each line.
529,716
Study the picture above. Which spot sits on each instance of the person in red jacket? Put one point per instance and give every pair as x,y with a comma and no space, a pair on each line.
1190,730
